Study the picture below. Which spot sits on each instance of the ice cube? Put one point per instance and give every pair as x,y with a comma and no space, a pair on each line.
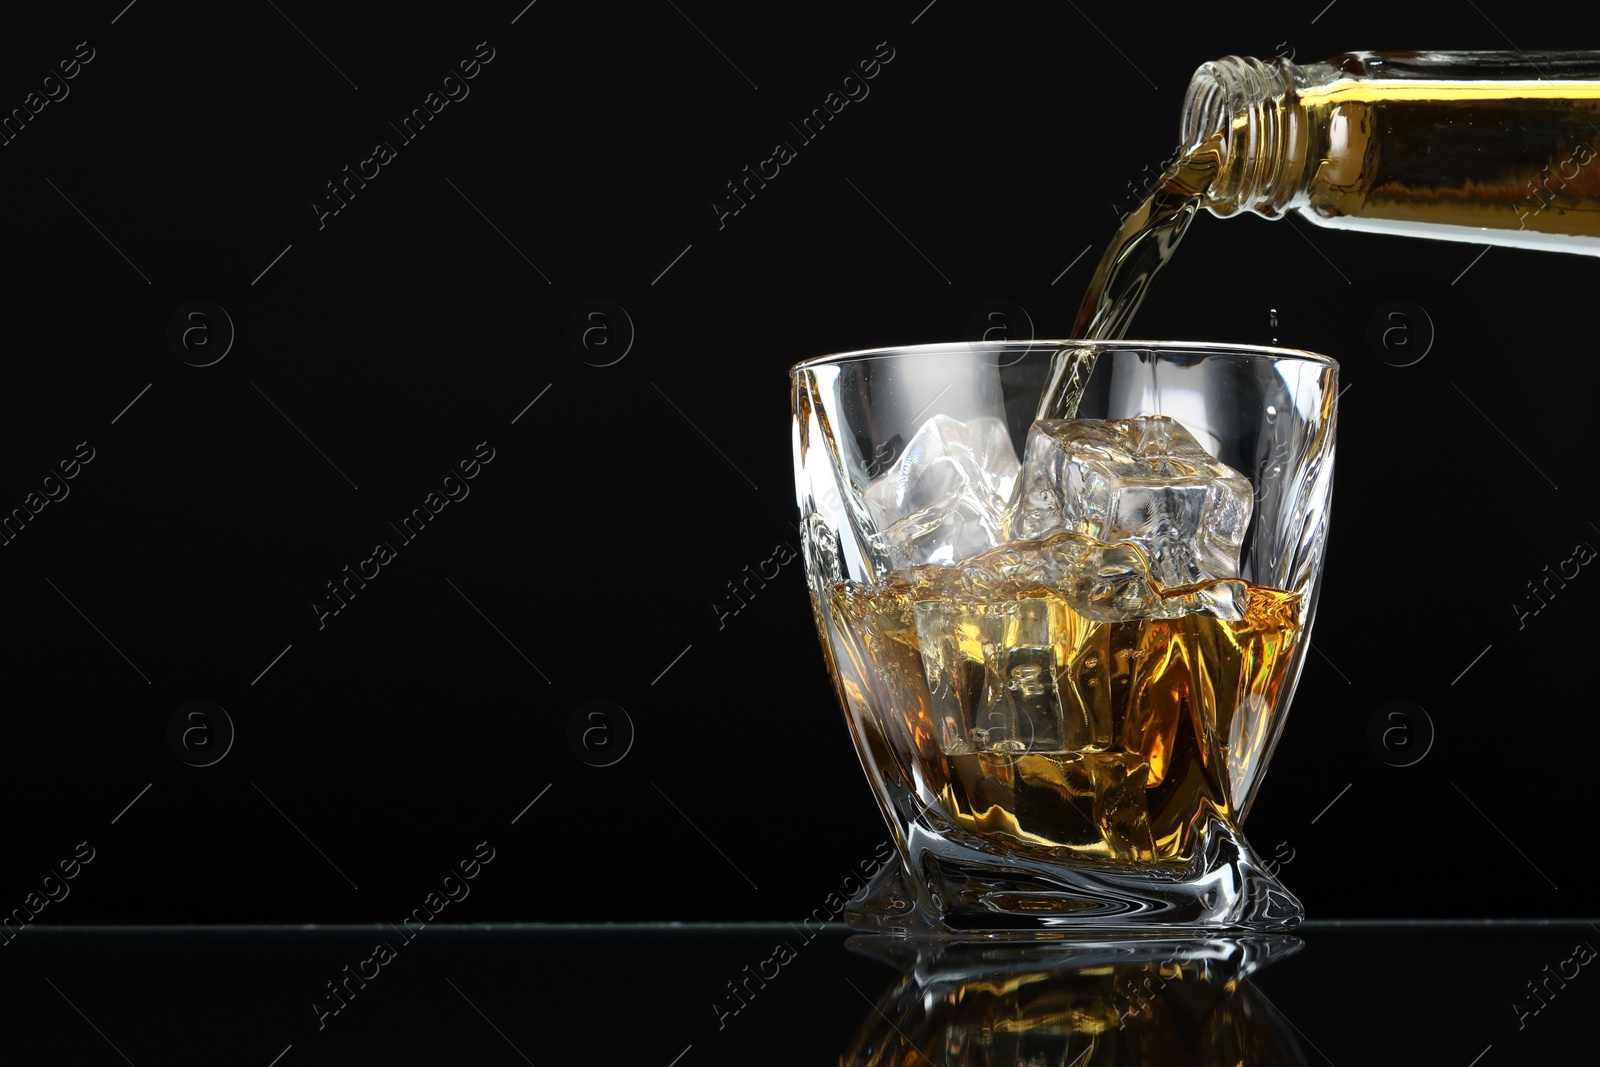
945,498
991,673
1145,480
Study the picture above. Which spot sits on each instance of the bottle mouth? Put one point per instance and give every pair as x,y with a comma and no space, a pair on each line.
1251,105
1225,87
1205,106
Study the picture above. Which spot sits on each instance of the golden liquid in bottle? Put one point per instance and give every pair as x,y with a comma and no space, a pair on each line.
1492,161
1451,158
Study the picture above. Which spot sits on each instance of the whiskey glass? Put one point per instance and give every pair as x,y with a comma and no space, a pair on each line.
1057,740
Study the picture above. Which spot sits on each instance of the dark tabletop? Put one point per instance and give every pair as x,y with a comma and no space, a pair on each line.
1455,994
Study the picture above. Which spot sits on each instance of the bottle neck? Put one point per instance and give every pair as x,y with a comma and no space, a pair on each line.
1253,107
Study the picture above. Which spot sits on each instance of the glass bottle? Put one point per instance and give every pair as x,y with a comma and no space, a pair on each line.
1488,147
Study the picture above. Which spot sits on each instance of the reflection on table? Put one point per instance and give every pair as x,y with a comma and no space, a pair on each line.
1075,1004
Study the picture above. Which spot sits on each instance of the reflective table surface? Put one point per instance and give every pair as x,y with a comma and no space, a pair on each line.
1459,994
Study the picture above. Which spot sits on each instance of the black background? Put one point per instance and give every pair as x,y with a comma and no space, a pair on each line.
589,561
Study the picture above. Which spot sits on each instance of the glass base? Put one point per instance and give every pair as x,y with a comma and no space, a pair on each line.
955,890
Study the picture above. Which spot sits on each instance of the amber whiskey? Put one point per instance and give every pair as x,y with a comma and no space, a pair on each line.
1034,727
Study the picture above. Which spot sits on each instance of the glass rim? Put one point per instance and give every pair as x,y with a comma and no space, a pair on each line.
1221,348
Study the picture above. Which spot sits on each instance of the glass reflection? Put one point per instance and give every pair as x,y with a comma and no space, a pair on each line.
1075,1004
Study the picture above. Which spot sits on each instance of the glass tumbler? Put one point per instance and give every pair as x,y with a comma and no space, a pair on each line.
1065,647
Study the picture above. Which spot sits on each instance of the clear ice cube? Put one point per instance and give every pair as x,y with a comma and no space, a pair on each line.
991,673
1144,480
945,498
